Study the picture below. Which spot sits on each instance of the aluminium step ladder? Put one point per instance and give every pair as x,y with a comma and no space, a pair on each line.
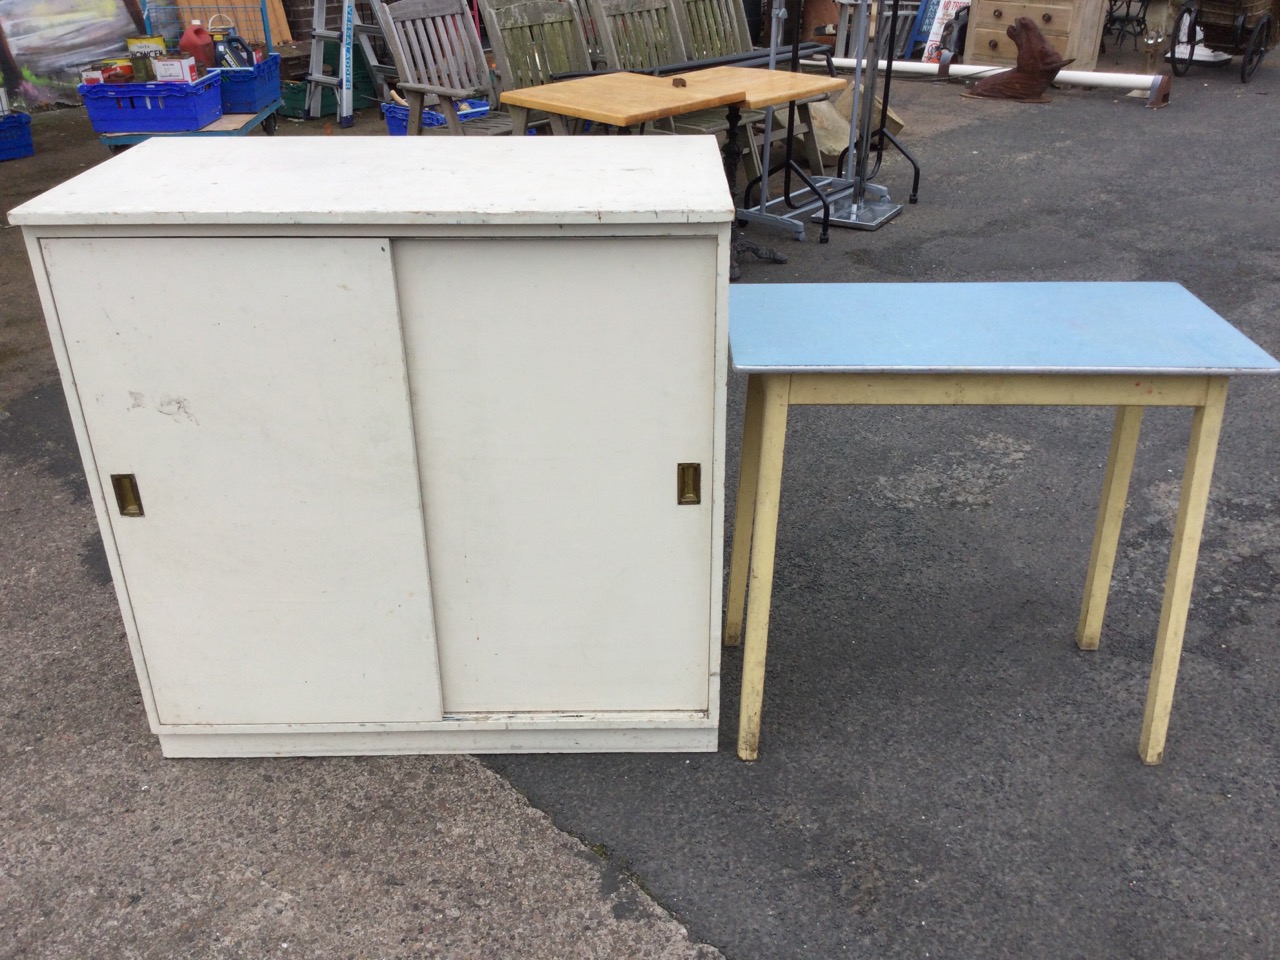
351,30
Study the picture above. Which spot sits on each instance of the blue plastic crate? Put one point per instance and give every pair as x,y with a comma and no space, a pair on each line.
160,107
15,136
398,116
252,88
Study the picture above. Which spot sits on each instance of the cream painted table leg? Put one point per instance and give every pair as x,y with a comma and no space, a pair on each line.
1106,534
1205,428
764,533
744,511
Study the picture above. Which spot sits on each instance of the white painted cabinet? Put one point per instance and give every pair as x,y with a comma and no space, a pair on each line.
412,428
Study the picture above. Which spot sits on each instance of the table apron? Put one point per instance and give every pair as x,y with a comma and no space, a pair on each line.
996,389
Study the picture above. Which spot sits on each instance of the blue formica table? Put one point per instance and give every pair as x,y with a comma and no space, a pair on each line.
1124,345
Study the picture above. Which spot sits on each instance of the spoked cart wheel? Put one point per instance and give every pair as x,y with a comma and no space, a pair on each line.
1259,41
1182,43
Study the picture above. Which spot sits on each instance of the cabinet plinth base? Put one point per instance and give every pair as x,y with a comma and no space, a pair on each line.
684,737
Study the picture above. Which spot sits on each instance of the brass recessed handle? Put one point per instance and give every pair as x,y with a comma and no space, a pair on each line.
127,497
688,483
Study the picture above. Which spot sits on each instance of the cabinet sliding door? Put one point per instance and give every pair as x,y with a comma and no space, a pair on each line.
252,394
558,384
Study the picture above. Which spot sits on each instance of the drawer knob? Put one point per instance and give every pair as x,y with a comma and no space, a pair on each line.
1046,17
997,13
993,44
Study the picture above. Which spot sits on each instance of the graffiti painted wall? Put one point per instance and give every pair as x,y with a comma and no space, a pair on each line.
44,43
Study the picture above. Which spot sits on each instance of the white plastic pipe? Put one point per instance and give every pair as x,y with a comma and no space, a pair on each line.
1157,86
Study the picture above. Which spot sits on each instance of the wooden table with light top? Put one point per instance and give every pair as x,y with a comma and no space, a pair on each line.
760,87
625,100
621,100
1124,345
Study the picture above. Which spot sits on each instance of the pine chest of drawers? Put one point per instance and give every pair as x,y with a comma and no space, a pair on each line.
1072,27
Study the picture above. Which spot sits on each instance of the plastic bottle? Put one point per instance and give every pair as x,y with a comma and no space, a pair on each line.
197,42
232,52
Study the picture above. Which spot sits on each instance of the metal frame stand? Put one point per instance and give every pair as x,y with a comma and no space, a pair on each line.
818,190
867,206
841,201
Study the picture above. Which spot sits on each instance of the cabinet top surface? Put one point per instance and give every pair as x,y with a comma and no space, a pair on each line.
1028,328
395,181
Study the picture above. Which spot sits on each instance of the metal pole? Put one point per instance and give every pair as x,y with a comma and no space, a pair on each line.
858,62
1116,81
778,16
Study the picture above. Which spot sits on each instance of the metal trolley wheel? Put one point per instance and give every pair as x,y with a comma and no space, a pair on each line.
1259,41
1183,39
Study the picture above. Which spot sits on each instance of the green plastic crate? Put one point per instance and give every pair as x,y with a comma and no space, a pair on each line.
294,97
294,94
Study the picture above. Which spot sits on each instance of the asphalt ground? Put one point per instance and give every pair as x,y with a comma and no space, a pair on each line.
942,773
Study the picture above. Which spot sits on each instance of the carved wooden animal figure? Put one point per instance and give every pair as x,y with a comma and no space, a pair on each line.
1038,64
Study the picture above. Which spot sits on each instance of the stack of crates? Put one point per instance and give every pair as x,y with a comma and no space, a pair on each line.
250,89
397,117
176,107
15,131
161,106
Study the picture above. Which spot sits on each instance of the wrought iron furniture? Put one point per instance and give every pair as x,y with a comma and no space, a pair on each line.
1244,27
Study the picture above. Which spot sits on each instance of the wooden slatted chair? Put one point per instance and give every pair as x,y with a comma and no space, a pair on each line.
534,40
437,53
589,31
718,28
643,35
714,28
637,34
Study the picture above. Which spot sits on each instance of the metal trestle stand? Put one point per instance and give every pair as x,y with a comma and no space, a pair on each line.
868,206
842,200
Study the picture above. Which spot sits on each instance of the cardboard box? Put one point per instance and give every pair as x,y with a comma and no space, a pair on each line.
175,67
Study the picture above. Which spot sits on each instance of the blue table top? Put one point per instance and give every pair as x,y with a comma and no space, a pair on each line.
1029,328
